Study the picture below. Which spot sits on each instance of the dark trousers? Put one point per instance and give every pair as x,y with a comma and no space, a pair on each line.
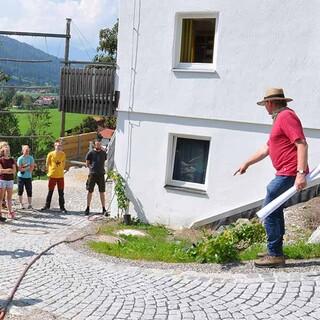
25,183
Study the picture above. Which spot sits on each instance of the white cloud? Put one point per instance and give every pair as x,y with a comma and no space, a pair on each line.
88,17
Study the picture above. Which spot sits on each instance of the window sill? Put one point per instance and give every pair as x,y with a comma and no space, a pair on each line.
194,70
186,189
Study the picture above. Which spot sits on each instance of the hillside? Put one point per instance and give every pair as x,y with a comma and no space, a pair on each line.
28,73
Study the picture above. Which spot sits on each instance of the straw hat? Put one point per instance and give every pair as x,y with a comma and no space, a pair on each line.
273,94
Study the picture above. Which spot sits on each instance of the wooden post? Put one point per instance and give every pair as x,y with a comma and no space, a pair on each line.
79,147
66,62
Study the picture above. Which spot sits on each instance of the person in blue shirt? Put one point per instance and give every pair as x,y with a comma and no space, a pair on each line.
25,164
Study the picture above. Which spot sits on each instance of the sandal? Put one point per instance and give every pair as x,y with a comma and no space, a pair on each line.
11,215
3,219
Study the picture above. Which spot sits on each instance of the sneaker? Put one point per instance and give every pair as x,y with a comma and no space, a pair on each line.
29,206
21,206
63,210
3,219
87,212
105,212
44,208
270,262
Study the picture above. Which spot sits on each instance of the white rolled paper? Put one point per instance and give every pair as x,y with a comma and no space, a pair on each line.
276,203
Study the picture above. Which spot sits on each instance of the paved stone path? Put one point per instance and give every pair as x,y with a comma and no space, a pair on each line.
67,284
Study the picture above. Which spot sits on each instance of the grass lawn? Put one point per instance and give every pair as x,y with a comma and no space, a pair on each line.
72,120
160,244
157,245
298,250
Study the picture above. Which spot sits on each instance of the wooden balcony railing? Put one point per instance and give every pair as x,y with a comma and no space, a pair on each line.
88,91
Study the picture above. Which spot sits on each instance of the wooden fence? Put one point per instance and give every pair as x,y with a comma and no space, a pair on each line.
88,91
76,147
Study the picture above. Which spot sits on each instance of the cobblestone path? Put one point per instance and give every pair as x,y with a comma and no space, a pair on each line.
67,284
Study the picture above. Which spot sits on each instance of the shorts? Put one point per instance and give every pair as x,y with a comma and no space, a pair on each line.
6,184
96,179
27,183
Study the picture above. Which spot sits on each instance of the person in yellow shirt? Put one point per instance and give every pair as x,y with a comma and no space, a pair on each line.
55,164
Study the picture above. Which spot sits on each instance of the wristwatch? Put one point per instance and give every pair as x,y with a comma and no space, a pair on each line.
301,171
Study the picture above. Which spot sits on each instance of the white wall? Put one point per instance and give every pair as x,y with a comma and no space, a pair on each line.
144,164
261,43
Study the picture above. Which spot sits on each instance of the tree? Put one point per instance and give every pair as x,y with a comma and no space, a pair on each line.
39,124
17,99
3,77
88,124
9,122
9,127
111,122
108,40
8,94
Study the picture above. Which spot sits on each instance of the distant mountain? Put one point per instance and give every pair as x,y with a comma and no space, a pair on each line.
28,73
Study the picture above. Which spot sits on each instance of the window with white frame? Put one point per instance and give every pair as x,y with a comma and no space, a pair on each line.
188,161
195,41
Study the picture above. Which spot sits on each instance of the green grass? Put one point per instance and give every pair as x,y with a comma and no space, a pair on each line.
158,245
252,252
298,250
72,120
302,250
161,245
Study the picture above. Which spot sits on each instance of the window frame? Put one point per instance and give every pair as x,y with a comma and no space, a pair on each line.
195,66
173,137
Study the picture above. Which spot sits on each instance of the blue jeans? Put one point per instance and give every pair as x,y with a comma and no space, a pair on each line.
274,223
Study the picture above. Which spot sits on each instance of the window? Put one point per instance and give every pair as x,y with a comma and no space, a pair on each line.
188,162
195,42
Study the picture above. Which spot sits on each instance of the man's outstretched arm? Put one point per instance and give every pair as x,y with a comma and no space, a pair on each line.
256,157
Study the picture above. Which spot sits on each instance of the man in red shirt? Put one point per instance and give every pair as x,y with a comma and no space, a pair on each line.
288,150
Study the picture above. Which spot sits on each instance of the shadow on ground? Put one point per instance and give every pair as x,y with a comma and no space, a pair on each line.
19,253
24,302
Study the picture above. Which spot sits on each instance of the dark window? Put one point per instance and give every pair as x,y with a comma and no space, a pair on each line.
197,40
190,161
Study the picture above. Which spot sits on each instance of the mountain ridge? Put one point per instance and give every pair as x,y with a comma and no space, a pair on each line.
28,73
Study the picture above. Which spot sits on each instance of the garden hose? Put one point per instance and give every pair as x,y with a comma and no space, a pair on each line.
4,309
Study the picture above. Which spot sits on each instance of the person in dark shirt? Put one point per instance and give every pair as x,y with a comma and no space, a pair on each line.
95,160
7,171
4,203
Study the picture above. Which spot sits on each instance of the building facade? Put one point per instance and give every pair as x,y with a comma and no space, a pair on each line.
190,73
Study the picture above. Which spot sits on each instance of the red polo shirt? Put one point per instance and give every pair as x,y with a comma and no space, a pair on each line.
286,130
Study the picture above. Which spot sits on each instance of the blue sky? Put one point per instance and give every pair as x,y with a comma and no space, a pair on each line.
88,17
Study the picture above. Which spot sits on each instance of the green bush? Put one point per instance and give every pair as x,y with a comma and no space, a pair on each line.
248,234
226,246
218,248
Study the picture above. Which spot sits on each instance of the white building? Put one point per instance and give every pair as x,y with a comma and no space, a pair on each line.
190,74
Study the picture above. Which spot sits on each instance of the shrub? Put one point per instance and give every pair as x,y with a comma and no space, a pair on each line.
218,248
226,246
248,234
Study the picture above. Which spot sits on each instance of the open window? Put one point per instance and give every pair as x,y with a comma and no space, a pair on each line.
195,47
